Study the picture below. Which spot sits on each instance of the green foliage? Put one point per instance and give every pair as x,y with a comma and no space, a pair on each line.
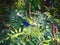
31,35
40,30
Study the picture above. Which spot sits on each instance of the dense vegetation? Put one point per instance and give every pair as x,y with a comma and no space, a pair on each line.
29,22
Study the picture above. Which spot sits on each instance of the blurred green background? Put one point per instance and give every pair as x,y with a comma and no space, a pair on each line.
29,22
